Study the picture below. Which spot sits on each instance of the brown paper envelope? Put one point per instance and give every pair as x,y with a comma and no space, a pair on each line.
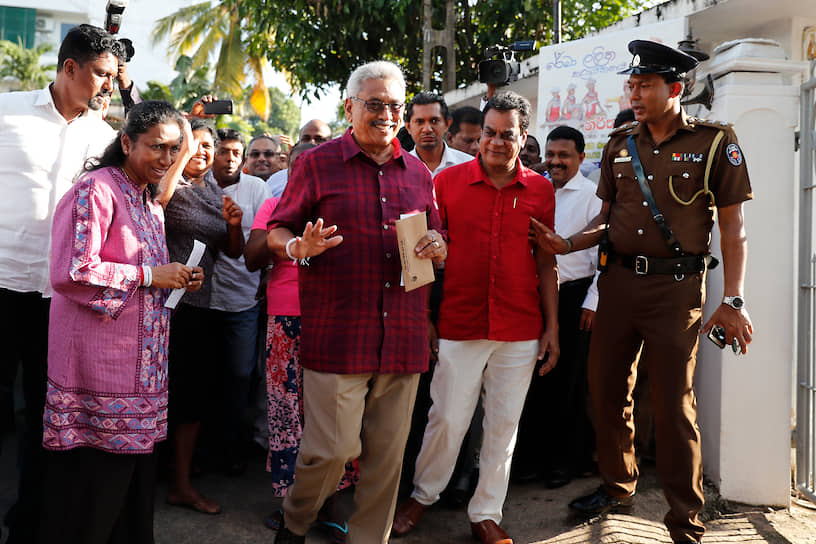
416,272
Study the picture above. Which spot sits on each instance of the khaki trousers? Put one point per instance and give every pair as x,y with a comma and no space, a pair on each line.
663,317
347,416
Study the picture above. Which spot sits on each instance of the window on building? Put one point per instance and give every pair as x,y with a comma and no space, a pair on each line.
64,29
18,25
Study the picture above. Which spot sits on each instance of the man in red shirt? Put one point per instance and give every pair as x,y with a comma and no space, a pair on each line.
498,315
363,338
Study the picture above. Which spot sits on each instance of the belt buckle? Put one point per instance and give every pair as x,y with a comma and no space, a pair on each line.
641,265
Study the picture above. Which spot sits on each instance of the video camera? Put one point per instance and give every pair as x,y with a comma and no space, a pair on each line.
113,21
500,66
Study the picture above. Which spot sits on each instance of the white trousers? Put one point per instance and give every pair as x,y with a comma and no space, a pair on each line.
504,370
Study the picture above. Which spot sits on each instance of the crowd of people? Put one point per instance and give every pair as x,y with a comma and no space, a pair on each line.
517,363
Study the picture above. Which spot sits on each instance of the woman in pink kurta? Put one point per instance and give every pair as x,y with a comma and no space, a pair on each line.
106,398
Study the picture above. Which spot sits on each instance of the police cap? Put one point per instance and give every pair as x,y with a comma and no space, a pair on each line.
656,58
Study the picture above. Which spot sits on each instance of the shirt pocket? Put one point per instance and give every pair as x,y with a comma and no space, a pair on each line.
626,186
686,183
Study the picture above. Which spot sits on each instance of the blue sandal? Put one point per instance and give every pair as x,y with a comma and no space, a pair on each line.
337,533
274,520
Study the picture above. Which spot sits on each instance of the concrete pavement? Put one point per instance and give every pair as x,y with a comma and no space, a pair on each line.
533,515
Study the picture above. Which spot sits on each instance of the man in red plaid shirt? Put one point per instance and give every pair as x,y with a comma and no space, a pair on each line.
364,339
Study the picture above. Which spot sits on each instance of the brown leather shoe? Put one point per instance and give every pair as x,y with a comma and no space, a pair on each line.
487,532
407,516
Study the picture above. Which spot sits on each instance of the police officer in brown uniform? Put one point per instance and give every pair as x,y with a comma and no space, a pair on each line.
656,246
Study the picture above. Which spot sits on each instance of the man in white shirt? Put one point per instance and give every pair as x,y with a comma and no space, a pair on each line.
427,120
45,137
233,294
563,391
262,157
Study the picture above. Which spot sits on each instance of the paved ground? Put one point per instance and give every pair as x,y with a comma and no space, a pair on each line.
533,515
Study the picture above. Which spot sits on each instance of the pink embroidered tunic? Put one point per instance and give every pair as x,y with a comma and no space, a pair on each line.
107,340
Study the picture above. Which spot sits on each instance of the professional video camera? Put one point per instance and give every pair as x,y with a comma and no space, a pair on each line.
113,21
500,66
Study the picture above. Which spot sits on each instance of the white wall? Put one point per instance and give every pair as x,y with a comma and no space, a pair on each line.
745,402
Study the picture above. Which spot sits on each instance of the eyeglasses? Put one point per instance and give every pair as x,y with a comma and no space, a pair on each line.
308,138
376,106
267,154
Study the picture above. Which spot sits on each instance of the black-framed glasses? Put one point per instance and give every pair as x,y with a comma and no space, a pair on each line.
254,154
376,106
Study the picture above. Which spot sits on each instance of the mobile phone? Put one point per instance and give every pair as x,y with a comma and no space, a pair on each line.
218,107
717,336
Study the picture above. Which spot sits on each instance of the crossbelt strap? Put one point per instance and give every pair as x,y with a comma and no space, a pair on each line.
671,240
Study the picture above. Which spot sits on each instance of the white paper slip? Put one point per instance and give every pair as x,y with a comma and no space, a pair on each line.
192,260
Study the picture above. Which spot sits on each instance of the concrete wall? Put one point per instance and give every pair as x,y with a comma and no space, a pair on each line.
745,402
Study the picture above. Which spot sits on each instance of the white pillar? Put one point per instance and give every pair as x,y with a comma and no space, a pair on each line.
745,402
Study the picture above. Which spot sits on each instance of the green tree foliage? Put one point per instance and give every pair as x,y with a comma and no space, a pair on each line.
318,43
284,116
188,86
22,66
192,83
206,30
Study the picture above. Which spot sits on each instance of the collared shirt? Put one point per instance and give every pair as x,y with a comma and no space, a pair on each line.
355,317
675,170
40,155
450,157
575,206
276,183
491,281
234,287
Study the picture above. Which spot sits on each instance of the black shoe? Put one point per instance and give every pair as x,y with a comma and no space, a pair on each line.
600,502
285,536
524,476
557,478
686,541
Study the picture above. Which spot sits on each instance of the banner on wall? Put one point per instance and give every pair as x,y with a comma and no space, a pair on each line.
579,84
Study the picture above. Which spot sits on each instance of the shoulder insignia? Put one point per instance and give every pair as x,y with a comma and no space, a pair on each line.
709,123
625,128
734,154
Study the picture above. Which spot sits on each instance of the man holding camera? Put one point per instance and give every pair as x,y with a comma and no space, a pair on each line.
661,177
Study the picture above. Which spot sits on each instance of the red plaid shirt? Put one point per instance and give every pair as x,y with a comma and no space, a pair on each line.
491,282
355,316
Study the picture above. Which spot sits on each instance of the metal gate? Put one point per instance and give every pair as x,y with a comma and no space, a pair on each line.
806,351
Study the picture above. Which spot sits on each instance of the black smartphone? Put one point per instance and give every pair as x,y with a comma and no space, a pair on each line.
218,107
717,335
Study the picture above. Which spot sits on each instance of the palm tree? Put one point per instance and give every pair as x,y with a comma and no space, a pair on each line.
203,29
22,65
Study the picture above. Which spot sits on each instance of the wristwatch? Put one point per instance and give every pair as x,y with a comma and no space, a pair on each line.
736,302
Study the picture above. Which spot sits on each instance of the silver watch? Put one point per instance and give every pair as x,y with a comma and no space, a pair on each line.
736,302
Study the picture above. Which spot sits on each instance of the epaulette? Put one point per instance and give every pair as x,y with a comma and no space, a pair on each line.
708,123
623,128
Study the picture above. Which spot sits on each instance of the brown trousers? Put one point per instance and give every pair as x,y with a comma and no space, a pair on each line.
347,416
663,317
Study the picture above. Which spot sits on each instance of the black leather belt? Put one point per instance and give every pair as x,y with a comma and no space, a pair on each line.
678,266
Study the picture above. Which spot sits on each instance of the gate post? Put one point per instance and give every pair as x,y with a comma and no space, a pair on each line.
745,402
806,357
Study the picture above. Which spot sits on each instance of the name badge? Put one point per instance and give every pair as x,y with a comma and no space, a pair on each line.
623,159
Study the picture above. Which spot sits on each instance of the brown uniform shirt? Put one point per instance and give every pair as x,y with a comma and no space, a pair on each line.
676,166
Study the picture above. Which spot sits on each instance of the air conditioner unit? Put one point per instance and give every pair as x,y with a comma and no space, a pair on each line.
45,24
